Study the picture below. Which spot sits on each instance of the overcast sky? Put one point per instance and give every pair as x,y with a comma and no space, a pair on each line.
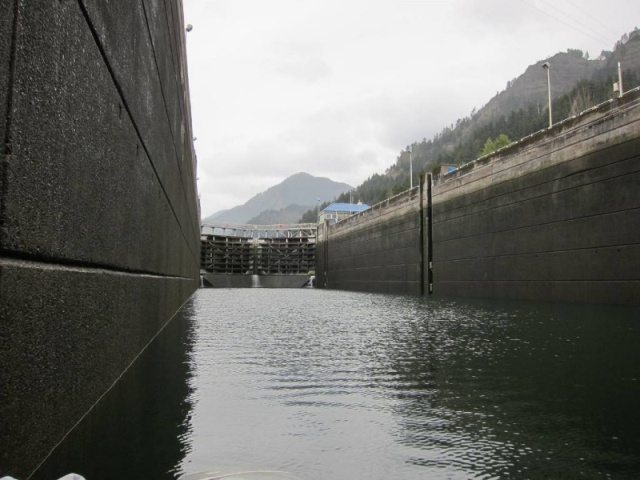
336,88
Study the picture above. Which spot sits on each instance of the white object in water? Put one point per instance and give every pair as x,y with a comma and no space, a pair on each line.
240,475
71,476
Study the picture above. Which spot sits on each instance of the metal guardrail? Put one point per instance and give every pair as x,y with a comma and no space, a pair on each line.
532,137
300,230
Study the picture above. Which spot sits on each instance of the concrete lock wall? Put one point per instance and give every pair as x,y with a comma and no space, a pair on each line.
378,250
554,217
99,232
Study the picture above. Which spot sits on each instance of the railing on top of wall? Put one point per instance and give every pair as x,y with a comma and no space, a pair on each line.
395,200
575,121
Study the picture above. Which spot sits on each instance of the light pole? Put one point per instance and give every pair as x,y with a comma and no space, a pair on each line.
546,66
620,89
410,169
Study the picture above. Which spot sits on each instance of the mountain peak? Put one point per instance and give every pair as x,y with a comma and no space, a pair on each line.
300,189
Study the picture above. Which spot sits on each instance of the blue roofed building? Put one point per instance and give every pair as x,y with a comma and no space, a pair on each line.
339,211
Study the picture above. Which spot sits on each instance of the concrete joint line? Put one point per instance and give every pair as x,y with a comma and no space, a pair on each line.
556,152
83,416
6,147
541,252
487,172
535,197
166,110
43,265
6,141
543,224
118,87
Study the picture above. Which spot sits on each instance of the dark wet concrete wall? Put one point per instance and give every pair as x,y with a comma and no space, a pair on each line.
554,217
378,250
99,233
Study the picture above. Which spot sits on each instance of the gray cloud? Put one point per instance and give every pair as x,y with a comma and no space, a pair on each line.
301,61
338,88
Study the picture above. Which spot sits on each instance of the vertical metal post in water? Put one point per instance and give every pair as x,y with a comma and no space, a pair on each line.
429,234
422,214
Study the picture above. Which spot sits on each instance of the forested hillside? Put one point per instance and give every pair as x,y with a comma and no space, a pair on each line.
287,215
578,83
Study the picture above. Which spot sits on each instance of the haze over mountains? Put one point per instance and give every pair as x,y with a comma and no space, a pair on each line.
284,202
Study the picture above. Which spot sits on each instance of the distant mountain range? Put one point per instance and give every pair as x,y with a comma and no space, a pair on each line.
282,203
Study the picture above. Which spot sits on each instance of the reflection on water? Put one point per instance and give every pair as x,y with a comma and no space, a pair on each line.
139,428
340,385
523,391
348,385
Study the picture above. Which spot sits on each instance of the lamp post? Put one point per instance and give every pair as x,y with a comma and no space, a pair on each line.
620,89
410,169
546,66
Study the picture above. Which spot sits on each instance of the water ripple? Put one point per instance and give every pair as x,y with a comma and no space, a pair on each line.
347,385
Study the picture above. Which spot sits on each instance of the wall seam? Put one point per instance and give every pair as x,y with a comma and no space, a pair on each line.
533,186
174,56
166,111
544,224
532,141
540,252
103,54
546,280
531,160
15,258
6,146
536,197
109,388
